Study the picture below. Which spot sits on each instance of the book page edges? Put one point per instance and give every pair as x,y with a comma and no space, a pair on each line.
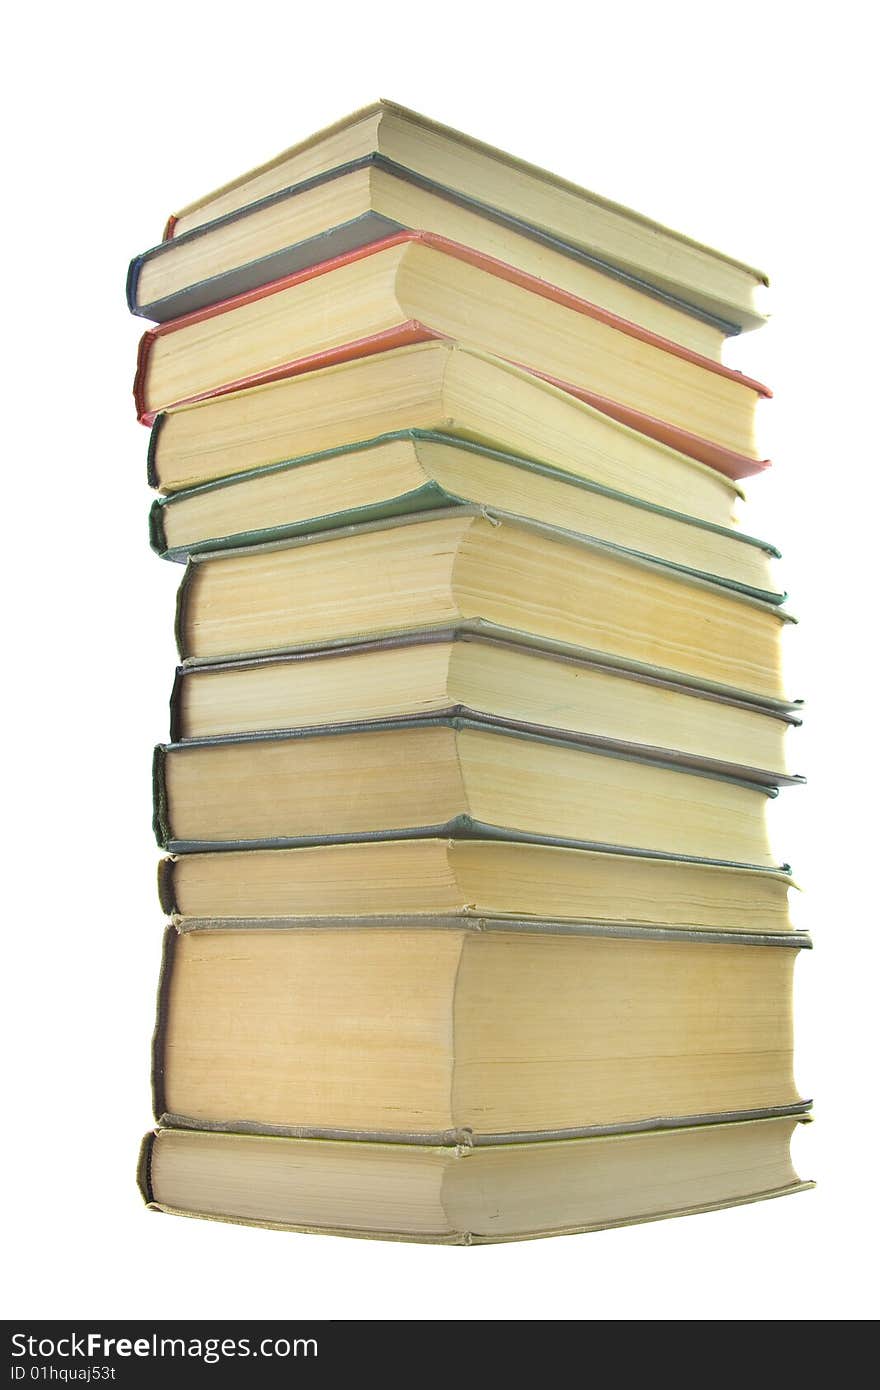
475,1238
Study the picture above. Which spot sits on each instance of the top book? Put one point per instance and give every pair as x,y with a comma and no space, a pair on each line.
478,181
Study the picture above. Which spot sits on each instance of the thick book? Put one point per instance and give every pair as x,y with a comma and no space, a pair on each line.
424,1032
313,786
459,674
423,880
707,281
465,567
488,880
367,200
415,287
436,386
421,470
462,1194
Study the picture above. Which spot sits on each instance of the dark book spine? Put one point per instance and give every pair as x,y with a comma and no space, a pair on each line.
174,706
131,284
165,885
161,825
156,525
152,467
144,1166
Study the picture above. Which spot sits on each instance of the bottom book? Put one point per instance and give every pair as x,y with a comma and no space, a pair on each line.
463,1194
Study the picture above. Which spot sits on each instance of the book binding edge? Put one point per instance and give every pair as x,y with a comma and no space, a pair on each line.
465,1137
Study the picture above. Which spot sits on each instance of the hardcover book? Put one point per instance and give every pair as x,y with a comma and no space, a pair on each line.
501,881
427,1033
356,783
459,1194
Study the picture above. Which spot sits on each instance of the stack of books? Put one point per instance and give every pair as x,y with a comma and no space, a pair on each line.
476,931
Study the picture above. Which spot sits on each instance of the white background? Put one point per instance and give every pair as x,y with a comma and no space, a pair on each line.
749,126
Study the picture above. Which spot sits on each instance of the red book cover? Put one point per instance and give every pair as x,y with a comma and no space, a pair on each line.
727,461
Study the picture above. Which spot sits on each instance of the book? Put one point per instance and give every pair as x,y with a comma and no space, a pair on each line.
420,470
421,1034
451,878
464,567
456,673
415,287
465,1194
367,200
702,279
435,386
504,1192
356,783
